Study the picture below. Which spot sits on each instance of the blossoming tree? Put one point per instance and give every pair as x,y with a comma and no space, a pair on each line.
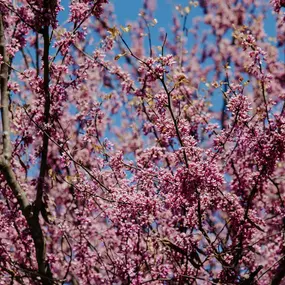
117,164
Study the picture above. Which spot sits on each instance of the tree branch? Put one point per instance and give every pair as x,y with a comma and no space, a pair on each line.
4,95
280,273
10,177
43,167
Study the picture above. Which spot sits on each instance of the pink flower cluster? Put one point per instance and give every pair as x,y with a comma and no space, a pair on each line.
277,5
121,165
155,68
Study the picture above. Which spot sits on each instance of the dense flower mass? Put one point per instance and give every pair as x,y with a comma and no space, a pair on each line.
128,162
278,4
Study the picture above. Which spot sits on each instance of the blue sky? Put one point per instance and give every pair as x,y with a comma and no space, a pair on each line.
129,9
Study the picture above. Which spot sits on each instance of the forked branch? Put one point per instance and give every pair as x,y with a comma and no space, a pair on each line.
7,170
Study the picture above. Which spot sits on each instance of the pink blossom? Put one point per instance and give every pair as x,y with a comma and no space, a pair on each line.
131,159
